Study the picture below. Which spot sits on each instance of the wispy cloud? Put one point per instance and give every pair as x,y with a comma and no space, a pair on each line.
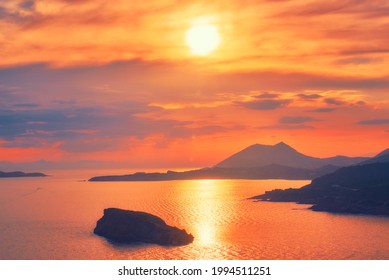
334,101
306,96
266,95
358,60
296,119
286,127
267,104
323,110
363,8
374,122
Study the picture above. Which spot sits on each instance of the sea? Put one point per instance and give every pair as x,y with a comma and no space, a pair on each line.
53,217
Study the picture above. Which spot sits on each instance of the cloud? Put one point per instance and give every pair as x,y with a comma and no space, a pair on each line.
27,105
374,122
287,81
266,95
361,103
296,120
358,60
359,51
286,127
266,104
208,130
323,110
166,82
362,8
257,47
291,123
17,11
78,128
306,96
317,8
334,101
69,125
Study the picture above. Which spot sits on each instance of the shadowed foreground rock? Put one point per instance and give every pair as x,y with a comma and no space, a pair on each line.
128,226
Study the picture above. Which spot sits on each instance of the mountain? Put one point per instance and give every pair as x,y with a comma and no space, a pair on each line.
359,189
255,162
381,157
20,174
282,154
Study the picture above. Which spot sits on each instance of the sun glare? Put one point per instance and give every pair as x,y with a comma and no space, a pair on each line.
203,39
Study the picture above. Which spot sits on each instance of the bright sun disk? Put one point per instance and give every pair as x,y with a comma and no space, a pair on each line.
203,39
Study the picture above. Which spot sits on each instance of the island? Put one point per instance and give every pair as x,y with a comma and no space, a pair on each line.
272,171
20,174
126,226
360,189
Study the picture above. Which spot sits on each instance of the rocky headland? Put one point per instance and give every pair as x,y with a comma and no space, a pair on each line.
20,174
360,189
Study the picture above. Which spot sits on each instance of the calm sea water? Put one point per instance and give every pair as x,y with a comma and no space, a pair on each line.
54,218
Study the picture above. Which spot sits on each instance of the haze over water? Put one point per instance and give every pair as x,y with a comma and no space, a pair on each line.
54,218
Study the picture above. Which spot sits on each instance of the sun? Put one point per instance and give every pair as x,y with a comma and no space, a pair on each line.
203,39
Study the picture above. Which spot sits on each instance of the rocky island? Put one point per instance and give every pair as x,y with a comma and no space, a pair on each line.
20,174
126,226
360,189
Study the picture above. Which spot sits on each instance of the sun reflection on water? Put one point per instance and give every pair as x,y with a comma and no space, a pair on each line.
209,211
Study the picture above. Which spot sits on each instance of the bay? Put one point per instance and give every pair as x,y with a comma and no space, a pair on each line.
54,217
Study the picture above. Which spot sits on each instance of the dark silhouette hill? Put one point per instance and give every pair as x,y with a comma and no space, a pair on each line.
20,174
381,157
282,154
359,189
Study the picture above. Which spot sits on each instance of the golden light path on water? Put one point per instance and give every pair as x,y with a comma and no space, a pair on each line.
206,228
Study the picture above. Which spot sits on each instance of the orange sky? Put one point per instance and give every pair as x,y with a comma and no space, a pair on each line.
116,81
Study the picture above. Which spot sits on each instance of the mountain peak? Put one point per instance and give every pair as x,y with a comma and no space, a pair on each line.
282,144
279,144
259,155
284,147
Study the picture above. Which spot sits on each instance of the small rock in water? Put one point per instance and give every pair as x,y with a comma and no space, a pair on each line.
128,226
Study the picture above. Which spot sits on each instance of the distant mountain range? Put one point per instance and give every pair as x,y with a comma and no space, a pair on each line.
279,161
20,174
